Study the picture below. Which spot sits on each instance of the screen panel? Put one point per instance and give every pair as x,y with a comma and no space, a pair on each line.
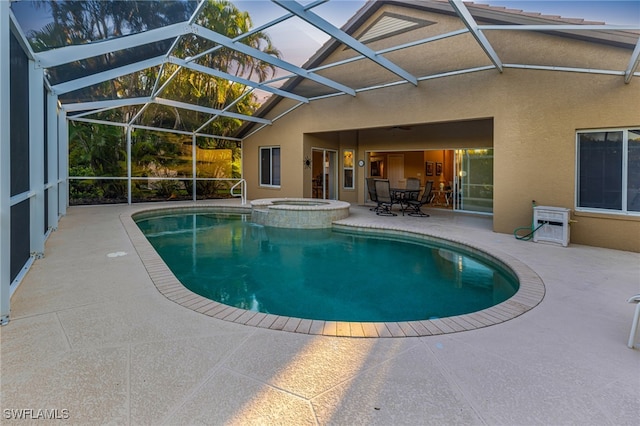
20,237
19,99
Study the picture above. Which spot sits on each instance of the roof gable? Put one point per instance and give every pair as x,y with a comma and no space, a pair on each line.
389,24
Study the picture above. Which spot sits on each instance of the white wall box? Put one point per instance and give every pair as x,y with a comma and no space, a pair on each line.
555,224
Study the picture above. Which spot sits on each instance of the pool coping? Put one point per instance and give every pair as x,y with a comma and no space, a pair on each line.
530,293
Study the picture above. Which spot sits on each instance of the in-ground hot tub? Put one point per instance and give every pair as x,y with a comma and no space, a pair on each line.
306,213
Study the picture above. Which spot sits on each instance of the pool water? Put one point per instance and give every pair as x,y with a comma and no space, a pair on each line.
323,274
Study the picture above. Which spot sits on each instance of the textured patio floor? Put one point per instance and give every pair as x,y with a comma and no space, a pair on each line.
91,335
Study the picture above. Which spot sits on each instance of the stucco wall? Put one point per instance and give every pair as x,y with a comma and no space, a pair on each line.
534,117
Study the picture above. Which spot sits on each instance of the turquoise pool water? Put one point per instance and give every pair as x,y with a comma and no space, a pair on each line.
321,273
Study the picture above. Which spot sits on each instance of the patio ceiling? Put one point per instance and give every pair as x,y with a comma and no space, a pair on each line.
184,48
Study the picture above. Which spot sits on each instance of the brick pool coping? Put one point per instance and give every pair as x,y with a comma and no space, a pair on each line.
530,293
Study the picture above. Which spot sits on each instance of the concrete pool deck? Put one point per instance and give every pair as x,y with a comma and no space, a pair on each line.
91,337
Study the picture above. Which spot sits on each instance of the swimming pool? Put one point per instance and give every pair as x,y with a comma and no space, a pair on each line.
325,274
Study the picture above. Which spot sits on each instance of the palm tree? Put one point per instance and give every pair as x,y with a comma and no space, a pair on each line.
224,18
79,22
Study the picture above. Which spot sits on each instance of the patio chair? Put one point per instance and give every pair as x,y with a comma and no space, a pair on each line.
636,317
412,189
414,206
371,187
384,198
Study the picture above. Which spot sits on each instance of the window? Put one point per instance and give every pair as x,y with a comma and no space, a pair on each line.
270,166
347,169
609,170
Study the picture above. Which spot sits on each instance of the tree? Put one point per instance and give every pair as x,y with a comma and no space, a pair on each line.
79,22
193,87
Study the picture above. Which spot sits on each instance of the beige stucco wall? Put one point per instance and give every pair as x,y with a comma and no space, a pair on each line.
532,116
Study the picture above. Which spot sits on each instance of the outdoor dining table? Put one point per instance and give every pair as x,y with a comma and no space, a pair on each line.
403,193
400,195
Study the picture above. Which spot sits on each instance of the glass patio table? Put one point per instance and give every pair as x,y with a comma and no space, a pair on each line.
401,195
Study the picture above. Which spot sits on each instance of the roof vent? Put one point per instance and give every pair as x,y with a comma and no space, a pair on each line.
389,24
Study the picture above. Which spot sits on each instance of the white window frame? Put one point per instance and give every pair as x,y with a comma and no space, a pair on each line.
270,149
352,168
625,164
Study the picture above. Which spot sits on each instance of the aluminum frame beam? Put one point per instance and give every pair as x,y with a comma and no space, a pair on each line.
94,111
112,103
559,27
633,63
154,129
52,159
564,69
216,73
20,36
247,50
196,12
101,77
326,27
5,163
64,55
470,22
115,103
36,160
207,110
63,163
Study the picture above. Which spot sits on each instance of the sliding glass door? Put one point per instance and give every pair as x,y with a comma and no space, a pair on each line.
474,180
325,174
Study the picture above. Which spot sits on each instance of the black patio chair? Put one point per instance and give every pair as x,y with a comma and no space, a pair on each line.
384,197
414,206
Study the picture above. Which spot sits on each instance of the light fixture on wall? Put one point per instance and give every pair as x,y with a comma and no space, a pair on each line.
307,162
